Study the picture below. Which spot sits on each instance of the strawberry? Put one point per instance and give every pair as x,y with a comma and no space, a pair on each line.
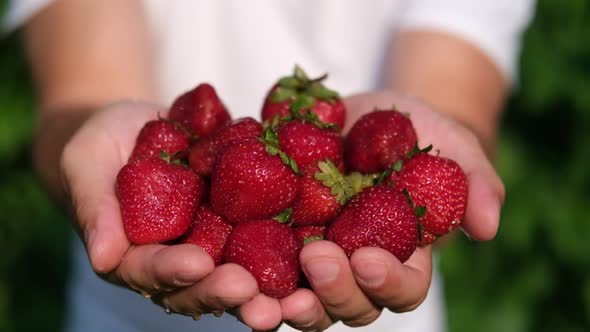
200,110
251,181
379,216
269,250
209,231
301,93
321,193
378,140
307,234
439,185
203,154
307,142
160,136
158,199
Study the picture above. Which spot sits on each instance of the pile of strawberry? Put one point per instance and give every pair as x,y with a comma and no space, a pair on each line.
255,193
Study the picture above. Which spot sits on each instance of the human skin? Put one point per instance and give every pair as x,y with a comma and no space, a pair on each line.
86,89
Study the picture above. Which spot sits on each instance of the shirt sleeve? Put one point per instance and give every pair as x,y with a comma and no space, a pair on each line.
494,26
18,12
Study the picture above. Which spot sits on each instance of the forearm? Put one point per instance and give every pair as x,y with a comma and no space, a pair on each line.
54,130
453,76
83,55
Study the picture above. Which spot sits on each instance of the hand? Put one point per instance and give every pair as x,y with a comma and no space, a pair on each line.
181,278
355,291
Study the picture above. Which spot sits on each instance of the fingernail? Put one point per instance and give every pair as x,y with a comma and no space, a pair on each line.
371,273
197,316
218,313
322,270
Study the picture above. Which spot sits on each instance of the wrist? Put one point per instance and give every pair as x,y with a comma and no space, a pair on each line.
54,130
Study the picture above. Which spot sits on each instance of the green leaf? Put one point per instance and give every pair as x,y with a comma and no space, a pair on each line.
319,91
302,102
310,239
359,181
420,211
281,94
284,216
398,166
300,74
289,82
272,150
330,176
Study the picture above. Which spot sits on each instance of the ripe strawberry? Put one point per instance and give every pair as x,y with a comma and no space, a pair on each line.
303,93
209,231
438,184
203,154
378,140
249,182
158,199
307,143
200,110
159,136
269,250
307,234
321,193
377,217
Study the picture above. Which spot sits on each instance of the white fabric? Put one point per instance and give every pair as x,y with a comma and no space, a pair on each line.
241,47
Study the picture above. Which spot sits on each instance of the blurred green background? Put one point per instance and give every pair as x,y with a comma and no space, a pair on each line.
534,277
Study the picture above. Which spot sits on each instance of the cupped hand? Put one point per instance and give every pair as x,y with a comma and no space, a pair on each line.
181,278
356,290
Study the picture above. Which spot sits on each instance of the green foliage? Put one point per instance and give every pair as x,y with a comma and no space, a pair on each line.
534,277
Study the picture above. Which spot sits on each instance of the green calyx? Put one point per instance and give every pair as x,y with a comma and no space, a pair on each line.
359,181
174,159
416,149
419,210
284,217
302,90
271,142
310,239
330,176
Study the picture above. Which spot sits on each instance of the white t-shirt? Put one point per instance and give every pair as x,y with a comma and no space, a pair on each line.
241,47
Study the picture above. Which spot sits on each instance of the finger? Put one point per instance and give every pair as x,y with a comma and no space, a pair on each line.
151,269
228,286
303,311
262,313
389,283
485,190
328,270
484,203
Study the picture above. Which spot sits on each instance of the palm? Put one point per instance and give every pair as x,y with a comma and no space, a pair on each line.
181,277
349,298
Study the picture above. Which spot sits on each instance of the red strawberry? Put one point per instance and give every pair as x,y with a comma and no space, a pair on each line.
204,153
159,136
377,217
200,110
269,250
209,231
321,193
307,144
307,234
438,184
158,199
250,183
303,93
378,140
